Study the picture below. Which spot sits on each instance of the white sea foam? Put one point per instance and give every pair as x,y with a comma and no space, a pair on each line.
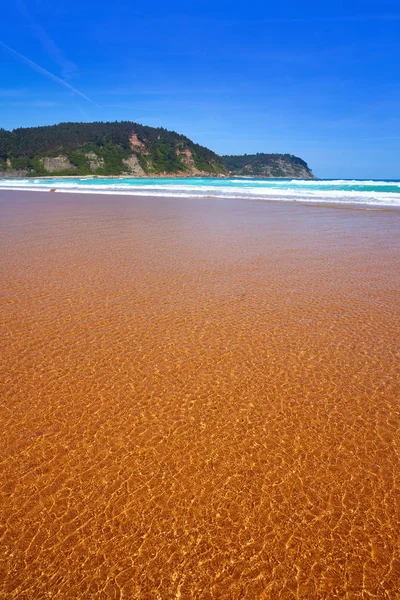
351,192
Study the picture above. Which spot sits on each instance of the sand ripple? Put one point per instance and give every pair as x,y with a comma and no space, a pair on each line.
200,400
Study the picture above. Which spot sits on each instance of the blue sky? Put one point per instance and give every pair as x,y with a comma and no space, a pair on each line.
319,80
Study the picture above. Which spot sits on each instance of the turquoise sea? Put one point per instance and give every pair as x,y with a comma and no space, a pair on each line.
382,193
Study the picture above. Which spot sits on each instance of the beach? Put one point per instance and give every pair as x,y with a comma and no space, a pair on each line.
200,398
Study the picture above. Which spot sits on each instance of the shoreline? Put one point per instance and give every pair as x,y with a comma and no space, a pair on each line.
287,201
155,176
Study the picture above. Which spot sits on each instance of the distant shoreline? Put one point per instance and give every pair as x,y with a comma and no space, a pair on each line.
170,176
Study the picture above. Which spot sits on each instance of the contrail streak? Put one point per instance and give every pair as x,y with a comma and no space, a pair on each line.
54,52
43,71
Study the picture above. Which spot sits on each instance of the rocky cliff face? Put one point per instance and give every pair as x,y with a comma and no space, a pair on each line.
7,170
267,165
132,166
120,148
56,164
128,149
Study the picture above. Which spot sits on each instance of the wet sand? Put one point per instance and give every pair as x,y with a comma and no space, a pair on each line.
200,399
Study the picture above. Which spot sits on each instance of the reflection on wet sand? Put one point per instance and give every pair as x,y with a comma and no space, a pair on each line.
200,399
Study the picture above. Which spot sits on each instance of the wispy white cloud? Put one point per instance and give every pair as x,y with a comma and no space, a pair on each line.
44,71
68,68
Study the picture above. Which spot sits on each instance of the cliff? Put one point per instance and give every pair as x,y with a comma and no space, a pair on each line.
120,148
128,149
267,165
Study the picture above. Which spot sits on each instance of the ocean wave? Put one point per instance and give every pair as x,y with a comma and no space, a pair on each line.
342,183
321,184
310,191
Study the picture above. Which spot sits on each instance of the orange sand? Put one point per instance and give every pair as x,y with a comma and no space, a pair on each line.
200,399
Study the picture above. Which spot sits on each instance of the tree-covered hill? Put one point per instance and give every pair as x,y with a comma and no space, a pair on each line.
267,165
104,149
127,148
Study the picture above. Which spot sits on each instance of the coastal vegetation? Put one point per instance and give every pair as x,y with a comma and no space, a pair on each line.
267,165
128,148
104,149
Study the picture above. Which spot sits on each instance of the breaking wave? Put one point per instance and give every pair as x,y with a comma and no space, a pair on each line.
332,191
